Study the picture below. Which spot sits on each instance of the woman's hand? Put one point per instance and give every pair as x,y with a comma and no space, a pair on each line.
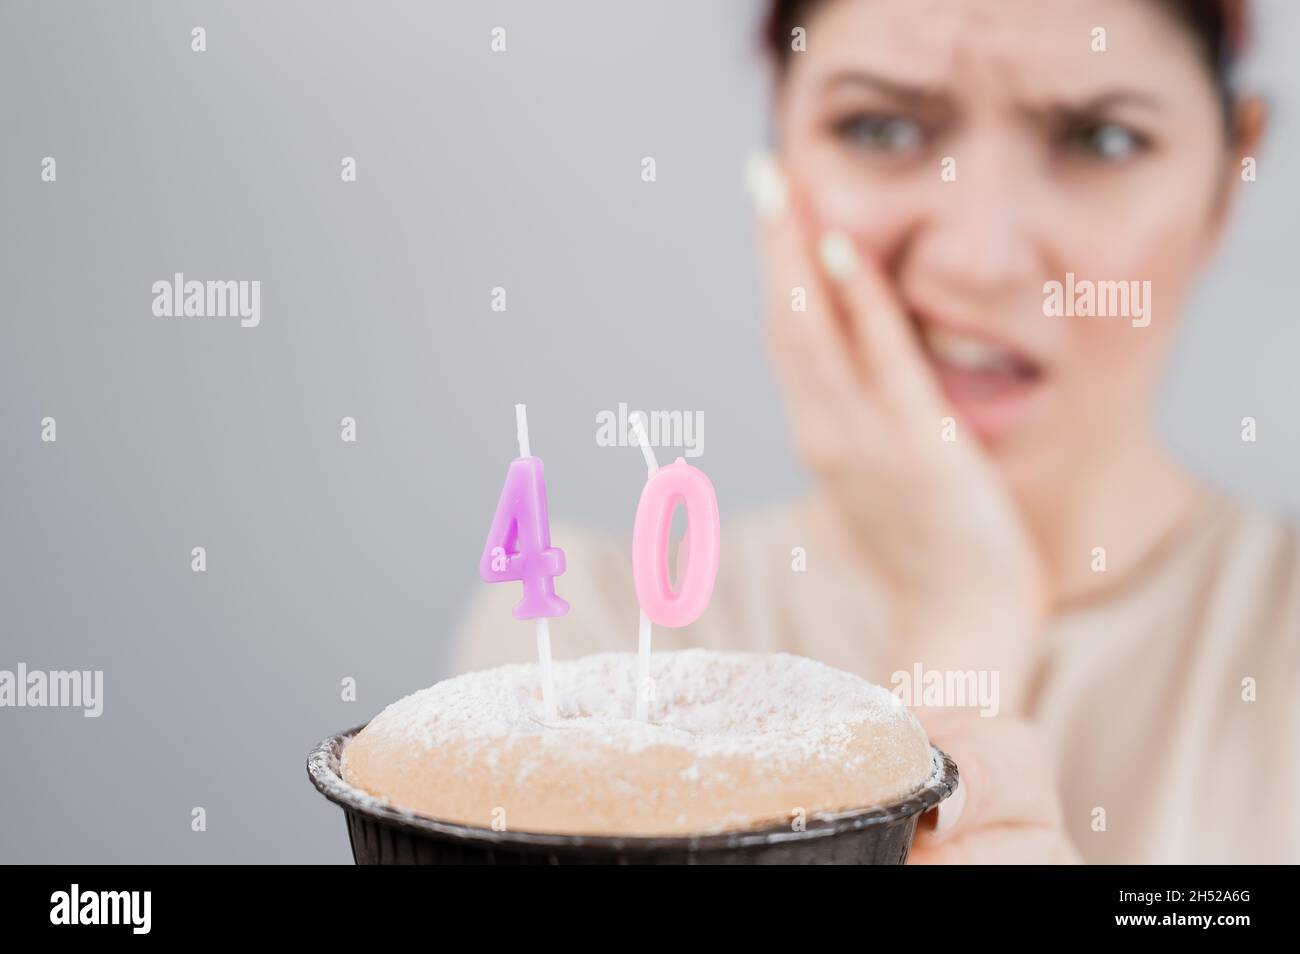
1005,809
929,517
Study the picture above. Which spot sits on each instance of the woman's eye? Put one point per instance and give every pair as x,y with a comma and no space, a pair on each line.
1109,142
880,133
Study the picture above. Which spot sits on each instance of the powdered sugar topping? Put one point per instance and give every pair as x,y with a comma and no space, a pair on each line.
713,704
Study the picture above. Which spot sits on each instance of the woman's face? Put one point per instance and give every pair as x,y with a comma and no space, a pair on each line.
983,148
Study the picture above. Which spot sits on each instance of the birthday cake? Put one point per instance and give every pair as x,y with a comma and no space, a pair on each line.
733,741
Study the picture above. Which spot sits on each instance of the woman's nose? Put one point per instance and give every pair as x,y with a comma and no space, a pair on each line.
977,239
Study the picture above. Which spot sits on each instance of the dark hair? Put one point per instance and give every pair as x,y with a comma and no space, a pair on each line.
1219,27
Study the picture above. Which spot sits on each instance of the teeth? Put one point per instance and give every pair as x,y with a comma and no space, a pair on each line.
966,353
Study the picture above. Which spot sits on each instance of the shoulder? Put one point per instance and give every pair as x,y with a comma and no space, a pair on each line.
1257,548
1251,578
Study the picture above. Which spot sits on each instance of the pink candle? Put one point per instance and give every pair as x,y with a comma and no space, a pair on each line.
679,482
660,603
518,545
518,548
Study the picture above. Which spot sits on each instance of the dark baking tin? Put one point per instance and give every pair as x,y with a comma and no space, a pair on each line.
384,835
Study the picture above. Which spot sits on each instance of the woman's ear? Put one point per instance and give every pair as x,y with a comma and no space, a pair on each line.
1251,119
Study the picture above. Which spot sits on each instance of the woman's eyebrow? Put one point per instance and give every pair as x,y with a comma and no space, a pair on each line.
1098,104
907,92
921,94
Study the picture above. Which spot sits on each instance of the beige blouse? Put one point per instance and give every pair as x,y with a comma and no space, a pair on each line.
1171,704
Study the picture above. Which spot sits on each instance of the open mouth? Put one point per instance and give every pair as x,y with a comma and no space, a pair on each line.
992,386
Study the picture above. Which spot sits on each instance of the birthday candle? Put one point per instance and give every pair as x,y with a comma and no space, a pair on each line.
518,548
660,602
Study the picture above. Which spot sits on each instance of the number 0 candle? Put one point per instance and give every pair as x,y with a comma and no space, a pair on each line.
518,548
660,601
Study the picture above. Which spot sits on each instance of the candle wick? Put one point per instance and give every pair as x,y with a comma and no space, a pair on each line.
643,686
543,629
643,441
521,429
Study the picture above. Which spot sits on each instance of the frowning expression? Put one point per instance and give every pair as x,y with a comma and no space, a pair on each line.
981,149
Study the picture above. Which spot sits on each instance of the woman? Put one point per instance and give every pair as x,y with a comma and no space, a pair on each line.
991,494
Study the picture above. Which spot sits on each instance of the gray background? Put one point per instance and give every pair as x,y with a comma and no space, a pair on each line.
328,559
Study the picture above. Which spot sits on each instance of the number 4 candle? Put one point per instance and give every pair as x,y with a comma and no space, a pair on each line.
518,548
697,571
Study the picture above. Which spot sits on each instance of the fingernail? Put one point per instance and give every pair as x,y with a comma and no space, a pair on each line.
838,254
949,811
765,184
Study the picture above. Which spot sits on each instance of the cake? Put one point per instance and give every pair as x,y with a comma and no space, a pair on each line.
734,741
